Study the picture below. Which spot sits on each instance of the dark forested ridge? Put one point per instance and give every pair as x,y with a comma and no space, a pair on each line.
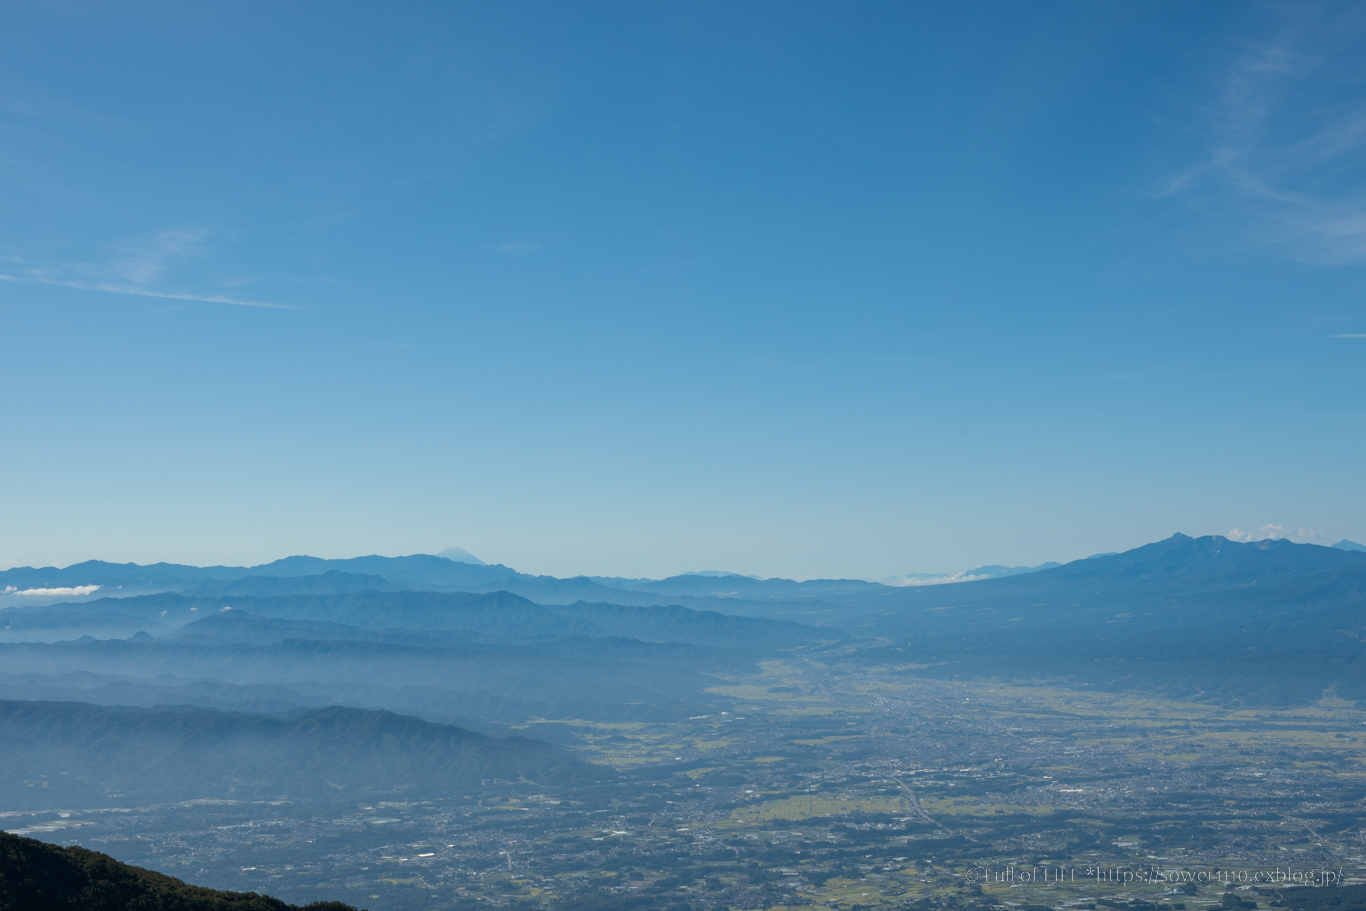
36,876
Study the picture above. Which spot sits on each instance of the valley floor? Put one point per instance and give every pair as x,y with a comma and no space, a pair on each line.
824,784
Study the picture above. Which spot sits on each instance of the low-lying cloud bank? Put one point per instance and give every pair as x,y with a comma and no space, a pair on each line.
78,591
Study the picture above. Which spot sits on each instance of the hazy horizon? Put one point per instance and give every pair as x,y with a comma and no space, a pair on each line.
954,574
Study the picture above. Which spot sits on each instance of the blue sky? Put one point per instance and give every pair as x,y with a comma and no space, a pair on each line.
639,288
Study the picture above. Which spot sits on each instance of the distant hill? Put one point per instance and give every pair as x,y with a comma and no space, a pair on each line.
495,613
35,875
333,582
1266,622
439,674
233,626
425,572
112,575
1344,544
69,753
444,656
991,571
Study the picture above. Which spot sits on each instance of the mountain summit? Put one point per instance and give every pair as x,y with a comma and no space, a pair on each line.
460,555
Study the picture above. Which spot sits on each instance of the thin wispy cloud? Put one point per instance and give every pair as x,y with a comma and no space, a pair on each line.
1349,335
147,259
1286,138
138,267
144,292
917,579
518,247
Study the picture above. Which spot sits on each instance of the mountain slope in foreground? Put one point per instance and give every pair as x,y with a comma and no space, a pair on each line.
36,875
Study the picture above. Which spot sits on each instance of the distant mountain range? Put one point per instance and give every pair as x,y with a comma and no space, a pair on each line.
729,592
991,571
447,656
35,875
456,570
1267,622
495,613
